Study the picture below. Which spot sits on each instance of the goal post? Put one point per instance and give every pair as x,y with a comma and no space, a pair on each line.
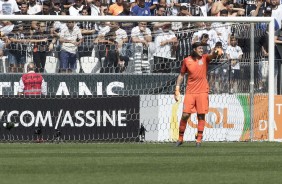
271,81
268,20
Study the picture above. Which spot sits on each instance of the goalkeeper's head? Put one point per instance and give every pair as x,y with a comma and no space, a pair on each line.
197,50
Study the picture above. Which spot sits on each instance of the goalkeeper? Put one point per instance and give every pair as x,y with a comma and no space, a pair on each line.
196,98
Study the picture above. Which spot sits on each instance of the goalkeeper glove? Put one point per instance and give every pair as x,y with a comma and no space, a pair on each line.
218,52
177,93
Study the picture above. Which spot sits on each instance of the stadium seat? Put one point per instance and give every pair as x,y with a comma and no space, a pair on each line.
90,64
77,67
51,64
5,65
131,66
141,60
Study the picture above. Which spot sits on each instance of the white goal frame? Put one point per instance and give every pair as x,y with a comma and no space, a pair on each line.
269,20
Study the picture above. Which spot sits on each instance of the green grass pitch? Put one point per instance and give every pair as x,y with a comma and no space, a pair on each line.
246,163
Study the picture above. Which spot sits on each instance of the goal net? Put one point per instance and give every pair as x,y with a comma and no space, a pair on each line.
113,78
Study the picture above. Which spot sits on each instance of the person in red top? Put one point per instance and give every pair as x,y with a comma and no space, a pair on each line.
196,98
32,83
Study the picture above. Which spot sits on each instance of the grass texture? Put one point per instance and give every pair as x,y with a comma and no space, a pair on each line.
76,163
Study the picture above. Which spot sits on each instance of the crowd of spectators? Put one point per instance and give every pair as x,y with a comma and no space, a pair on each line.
151,47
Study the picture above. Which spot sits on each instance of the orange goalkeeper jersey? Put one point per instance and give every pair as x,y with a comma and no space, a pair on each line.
197,74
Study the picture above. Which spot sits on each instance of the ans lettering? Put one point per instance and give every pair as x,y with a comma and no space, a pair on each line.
64,89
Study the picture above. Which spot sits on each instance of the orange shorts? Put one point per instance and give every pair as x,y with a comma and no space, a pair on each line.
196,103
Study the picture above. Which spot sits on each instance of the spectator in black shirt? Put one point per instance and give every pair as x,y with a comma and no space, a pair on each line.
87,30
41,49
57,7
24,7
46,10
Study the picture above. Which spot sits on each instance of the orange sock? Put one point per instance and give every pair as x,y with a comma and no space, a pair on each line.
201,126
182,128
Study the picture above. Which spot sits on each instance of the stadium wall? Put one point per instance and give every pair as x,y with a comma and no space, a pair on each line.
228,118
97,118
145,100
96,85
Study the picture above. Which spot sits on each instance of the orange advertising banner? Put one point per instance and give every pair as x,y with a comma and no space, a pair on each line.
278,117
261,119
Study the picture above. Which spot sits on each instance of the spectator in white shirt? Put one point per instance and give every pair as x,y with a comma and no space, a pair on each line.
70,39
223,30
75,9
141,39
109,45
95,8
8,7
234,54
34,7
164,43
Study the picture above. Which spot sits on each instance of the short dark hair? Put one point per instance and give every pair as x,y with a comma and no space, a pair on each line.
25,3
233,38
224,11
218,44
204,35
183,8
196,44
46,3
158,7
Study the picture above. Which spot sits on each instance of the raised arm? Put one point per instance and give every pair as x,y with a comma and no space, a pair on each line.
215,53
